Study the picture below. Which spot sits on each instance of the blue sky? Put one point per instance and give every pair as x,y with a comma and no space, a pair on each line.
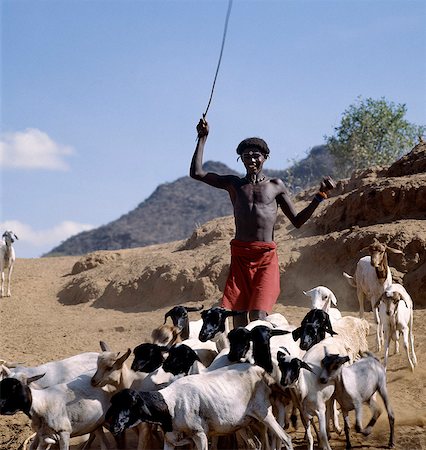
100,98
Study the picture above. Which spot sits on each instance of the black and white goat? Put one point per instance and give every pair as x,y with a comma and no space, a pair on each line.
355,385
193,408
58,412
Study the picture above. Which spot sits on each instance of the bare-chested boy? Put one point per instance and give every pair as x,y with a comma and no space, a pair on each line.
253,283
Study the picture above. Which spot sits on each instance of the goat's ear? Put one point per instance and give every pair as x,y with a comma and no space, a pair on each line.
120,361
393,250
16,237
376,305
307,293
5,371
34,378
104,346
276,332
333,299
168,314
303,365
297,333
328,327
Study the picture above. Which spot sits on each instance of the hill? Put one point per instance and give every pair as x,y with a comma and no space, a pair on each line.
175,209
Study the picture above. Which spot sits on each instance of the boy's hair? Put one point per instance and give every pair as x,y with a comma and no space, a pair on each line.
253,142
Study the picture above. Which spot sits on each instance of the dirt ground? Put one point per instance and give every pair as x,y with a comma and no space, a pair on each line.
36,328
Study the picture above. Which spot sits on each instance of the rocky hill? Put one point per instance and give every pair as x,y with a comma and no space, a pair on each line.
175,209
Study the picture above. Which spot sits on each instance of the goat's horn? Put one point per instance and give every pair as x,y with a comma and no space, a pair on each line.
393,250
194,308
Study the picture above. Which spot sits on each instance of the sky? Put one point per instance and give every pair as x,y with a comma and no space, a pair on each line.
100,98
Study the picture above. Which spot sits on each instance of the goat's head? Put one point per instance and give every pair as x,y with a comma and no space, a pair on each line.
148,357
180,319
109,368
321,297
261,336
390,298
290,368
180,359
239,342
331,363
123,412
8,237
377,251
15,395
166,335
214,321
313,328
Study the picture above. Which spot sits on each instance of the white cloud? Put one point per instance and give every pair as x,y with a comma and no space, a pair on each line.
33,149
33,243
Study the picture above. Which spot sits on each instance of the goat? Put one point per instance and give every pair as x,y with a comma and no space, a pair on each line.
313,397
323,298
166,335
57,412
313,328
372,277
215,326
351,393
180,319
195,407
7,260
396,315
55,372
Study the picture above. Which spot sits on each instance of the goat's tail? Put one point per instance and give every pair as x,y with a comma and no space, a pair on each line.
351,280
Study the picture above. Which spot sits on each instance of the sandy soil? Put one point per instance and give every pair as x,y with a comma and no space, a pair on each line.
36,327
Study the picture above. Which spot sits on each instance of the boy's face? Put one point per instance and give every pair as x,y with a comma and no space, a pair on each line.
253,160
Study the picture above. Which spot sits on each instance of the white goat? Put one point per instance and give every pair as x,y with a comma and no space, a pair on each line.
372,277
357,384
7,259
58,412
323,298
312,395
55,372
195,407
396,315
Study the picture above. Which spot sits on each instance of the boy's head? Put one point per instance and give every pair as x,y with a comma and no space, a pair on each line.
253,143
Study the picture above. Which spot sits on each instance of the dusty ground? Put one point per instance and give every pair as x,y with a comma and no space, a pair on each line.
36,327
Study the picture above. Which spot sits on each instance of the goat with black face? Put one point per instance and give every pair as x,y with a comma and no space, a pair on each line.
313,328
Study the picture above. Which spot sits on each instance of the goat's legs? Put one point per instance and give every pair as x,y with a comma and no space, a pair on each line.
405,336
2,284
347,427
322,425
360,296
270,421
374,407
9,277
379,328
384,394
387,339
201,441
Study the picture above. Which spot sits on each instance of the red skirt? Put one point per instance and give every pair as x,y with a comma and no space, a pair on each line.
254,278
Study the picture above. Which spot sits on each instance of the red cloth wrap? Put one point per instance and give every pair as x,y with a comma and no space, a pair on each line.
254,278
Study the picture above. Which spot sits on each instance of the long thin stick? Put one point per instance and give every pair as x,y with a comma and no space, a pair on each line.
220,56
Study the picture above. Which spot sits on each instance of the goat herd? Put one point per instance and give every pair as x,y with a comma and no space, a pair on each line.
199,383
